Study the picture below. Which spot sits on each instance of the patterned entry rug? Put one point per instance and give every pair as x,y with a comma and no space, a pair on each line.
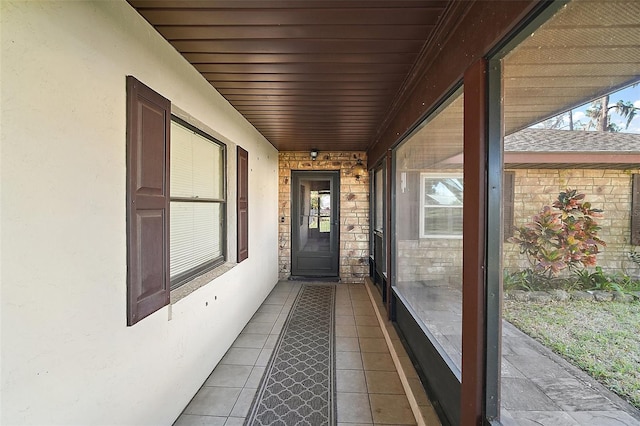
298,383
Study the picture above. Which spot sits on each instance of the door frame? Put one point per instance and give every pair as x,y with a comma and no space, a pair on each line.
333,176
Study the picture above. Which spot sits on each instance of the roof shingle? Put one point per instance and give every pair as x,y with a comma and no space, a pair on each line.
549,140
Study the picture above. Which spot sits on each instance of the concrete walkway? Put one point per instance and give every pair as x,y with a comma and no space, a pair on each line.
541,388
538,386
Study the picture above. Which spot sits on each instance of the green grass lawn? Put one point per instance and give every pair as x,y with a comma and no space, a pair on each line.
603,339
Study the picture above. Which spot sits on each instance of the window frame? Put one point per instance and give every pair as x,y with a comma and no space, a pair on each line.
423,206
190,274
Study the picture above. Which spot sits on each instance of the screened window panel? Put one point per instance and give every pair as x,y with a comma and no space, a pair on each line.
428,199
195,235
379,186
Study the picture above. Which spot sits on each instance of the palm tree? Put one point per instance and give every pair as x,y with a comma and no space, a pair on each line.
600,111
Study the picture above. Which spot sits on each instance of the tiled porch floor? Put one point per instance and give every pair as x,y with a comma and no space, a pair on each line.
369,389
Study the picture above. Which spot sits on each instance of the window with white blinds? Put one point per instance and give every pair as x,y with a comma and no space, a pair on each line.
441,206
197,212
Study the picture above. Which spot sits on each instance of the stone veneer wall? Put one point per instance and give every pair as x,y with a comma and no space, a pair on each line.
354,210
609,190
436,260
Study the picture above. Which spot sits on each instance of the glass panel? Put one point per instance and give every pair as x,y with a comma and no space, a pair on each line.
196,165
442,222
197,173
181,161
379,201
442,191
325,211
428,225
207,166
313,211
585,53
195,235
315,215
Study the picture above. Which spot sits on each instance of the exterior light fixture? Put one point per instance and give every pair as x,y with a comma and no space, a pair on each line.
358,170
313,154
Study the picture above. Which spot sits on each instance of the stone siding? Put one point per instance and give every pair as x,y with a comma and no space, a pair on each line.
431,260
608,190
354,210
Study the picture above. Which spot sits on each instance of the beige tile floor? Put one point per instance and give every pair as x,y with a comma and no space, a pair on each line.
369,390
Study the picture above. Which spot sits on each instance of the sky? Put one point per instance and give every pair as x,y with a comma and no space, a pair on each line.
631,93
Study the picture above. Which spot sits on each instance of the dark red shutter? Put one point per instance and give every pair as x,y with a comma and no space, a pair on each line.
148,129
508,193
243,204
635,211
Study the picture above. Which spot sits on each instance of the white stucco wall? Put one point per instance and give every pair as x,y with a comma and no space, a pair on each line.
67,355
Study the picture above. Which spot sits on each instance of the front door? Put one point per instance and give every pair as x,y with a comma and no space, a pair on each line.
314,224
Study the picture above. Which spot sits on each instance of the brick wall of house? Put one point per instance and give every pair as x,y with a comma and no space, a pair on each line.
438,260
354,210
609,190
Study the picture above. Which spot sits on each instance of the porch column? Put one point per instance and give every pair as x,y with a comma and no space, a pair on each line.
474,244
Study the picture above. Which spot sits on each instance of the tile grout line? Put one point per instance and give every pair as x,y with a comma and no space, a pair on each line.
415,409
364,371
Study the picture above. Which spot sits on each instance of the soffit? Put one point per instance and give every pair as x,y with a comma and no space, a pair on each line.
306,74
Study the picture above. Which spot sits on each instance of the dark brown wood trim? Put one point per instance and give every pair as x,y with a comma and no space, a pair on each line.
243,204
474,237
148,141
472,39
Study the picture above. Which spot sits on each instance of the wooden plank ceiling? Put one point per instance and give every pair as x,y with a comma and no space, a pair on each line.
306,74
325,74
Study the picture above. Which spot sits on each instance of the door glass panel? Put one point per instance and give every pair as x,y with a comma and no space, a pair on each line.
315,216
428,227
324,198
